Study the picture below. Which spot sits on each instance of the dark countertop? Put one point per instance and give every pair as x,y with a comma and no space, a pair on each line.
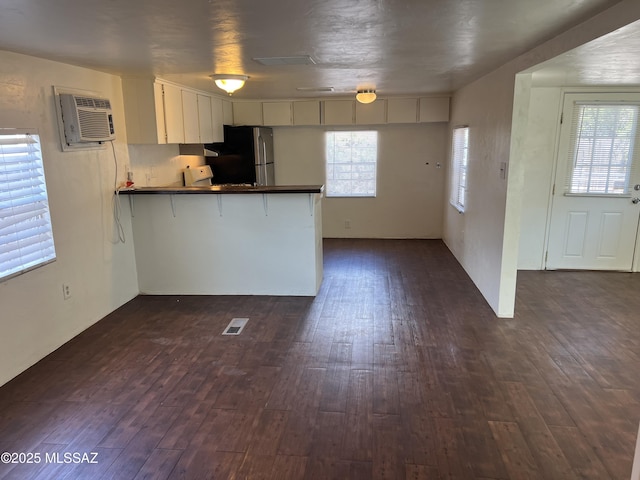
235,189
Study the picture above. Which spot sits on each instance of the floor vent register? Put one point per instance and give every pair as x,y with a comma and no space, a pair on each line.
235,326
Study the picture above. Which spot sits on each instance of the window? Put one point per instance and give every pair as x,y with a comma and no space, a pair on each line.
602,149
26,239
459,160
352,159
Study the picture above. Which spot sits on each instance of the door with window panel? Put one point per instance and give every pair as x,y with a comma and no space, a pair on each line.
595,207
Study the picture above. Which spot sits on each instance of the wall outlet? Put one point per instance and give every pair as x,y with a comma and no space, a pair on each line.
347,224
66,291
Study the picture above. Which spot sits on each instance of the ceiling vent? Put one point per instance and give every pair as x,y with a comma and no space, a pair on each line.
294,60
315,89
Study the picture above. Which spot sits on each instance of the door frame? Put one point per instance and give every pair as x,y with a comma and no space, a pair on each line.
564,91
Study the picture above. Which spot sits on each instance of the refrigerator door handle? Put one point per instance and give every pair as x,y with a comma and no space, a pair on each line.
263,147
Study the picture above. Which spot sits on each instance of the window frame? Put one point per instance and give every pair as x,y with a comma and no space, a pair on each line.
26,232
329,178
459,167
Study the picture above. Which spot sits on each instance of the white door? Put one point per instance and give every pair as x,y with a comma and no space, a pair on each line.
595,207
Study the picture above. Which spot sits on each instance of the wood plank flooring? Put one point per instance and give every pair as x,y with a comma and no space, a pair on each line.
398,369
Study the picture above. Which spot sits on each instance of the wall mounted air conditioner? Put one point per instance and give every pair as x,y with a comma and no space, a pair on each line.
86,119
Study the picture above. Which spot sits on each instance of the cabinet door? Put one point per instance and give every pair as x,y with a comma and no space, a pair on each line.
247,113
434,109
339,112
276,113
173,113
306,113
402,110
161,127
227,112
144,110
205,119
190,117
371,113
217,123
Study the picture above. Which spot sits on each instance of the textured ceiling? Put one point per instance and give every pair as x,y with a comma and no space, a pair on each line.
396,46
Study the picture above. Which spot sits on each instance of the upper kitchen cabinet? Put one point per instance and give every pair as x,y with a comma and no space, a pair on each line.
276,113
210,127
190,116
173,117
247,113
217,119
339,112
227,112
434,109
205,119
371,113
402,110
306,112
153,111
144,110
162,112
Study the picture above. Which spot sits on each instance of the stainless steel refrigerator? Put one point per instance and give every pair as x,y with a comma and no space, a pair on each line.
246,156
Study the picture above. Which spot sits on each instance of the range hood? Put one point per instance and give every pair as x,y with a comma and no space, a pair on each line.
196,149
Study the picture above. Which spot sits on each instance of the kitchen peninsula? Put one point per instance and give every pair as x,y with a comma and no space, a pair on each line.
228,240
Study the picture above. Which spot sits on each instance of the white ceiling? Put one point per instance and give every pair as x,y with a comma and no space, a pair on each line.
609,60
396,46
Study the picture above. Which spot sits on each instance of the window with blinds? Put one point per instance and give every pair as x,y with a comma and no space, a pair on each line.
459,161
603,140
26,238
351,163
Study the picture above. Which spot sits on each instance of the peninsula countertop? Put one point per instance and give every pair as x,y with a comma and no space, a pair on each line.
223,189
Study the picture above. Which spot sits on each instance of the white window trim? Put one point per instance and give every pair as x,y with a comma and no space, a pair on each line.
459,167
26,236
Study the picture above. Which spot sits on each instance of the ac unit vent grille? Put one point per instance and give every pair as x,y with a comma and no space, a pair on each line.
95,125
102,103
93,102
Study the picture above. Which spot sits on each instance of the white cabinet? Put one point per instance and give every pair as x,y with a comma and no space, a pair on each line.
227,112
190,116
371,113
174,120
339,112
162,112
402,110
306,112
276,113
434,109
217,120
205,120
144,110
247,113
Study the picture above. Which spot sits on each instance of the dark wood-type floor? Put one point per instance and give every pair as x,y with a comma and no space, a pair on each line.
397,369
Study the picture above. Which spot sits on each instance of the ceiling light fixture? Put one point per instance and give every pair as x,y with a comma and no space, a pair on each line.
366,96
229,83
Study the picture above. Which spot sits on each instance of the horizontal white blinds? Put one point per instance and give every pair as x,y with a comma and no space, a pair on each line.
459,161
603,148
26,239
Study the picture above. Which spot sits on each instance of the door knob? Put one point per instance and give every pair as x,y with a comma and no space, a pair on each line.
635,200
636,187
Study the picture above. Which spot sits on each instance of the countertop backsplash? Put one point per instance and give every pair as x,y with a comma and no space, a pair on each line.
159,165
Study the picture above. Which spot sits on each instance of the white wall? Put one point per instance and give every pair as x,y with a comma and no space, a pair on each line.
486,238
34,318
409,192
538,156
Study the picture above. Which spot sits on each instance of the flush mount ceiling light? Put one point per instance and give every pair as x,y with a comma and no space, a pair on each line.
366,96
229,83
